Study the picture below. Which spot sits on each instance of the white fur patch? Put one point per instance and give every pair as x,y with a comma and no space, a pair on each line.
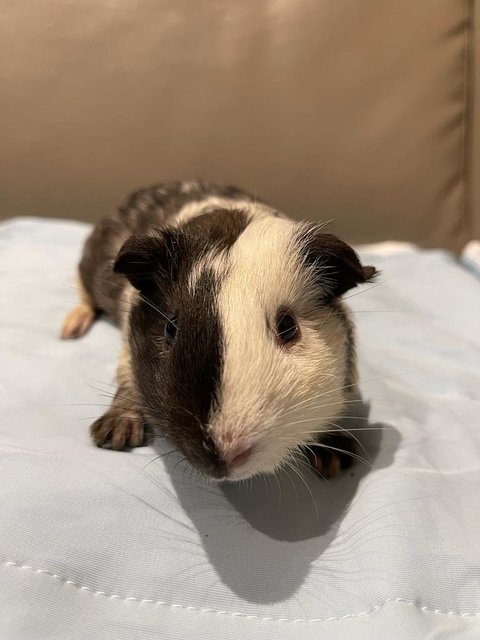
211,203
271,397
217,263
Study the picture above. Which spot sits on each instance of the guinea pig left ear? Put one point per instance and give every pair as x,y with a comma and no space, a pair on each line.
336,265
146,260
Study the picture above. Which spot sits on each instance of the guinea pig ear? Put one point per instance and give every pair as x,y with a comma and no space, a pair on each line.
145,260
336,265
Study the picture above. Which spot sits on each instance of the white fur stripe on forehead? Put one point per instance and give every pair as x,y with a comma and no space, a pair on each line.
265,258
263,275
265,271
212,261
268,261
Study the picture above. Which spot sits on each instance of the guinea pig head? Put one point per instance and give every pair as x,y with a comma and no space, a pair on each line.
240,346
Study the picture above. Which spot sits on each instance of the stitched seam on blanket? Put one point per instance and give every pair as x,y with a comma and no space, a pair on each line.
377,607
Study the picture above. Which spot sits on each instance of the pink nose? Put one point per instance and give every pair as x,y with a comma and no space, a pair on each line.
238,457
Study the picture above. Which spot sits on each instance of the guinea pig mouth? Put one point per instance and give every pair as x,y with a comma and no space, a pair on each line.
237,457
225,458
230,466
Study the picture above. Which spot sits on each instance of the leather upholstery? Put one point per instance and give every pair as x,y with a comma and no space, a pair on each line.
349,110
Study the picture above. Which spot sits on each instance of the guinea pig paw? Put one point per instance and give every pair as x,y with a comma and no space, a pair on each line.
332,456
78,322
119,429
325,463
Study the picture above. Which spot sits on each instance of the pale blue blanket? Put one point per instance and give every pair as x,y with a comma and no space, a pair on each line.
97,545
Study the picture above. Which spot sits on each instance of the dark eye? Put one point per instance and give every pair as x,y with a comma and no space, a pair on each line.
286,327
170,331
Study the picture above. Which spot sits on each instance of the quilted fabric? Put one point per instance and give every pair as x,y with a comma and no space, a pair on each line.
98,544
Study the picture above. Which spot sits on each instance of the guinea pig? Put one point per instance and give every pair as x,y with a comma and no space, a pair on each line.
237,345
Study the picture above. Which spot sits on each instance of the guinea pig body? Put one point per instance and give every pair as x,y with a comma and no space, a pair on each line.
236,343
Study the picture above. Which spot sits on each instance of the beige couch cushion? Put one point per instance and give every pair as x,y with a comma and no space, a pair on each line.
334,109
473,131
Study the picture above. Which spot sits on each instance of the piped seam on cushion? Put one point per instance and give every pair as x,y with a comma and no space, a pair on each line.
377,607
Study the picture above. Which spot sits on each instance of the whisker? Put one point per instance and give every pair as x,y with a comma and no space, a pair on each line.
342,403
154,306
348,453
323,406
354,384
177,463
106,394
327,430
275,472
352,436
308,466
307,487
324,478
374,286
286,465
83,404
161,455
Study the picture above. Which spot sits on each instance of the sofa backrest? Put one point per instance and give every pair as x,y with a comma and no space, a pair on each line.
358,111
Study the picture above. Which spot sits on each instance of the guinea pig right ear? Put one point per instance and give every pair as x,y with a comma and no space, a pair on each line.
145,260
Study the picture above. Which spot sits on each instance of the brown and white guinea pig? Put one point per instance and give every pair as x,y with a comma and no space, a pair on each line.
236,343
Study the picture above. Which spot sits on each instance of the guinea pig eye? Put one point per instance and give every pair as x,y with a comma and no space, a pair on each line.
286,327
170,331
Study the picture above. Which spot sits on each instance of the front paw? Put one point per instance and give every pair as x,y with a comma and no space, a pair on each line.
332,455
119,429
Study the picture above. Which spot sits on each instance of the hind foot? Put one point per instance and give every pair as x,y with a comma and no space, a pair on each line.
78,322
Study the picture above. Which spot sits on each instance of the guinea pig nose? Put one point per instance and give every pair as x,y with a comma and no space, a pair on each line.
239,456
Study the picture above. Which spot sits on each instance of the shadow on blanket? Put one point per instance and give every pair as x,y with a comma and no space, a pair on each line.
270,531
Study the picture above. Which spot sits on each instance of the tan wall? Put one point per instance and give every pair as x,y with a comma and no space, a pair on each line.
351,110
